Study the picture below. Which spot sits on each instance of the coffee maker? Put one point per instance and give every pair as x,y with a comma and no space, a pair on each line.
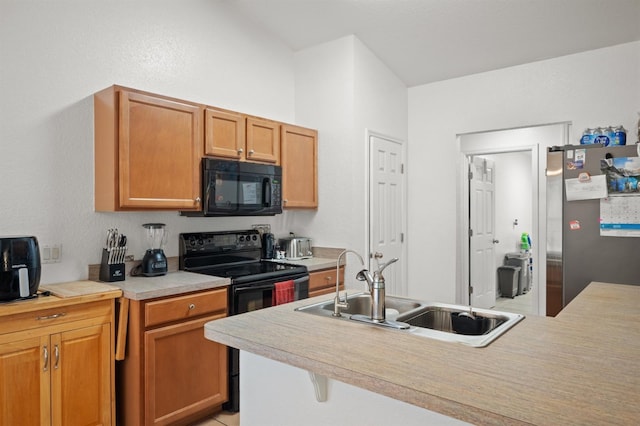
154,262
19,267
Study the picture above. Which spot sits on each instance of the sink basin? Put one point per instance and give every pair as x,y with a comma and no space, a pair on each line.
360,304
438,321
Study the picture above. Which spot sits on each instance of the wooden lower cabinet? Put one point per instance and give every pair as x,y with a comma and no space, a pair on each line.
324,281
171,374
59,372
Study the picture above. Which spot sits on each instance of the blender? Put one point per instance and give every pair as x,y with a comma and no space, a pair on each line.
154,262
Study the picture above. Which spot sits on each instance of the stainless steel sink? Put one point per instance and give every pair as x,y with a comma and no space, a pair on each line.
428,319
360,304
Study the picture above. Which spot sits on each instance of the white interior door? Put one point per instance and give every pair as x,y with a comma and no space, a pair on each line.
482,274
387,211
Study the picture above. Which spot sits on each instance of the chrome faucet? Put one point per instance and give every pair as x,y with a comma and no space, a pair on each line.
377,290
337,303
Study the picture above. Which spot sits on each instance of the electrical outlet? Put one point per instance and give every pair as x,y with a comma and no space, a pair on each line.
51,253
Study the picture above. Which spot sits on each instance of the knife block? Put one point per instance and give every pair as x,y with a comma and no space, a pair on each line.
111,272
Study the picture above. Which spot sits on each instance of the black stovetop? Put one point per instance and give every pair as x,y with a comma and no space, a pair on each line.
232,254
251,271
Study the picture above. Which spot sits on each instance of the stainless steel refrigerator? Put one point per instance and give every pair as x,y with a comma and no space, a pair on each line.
576,252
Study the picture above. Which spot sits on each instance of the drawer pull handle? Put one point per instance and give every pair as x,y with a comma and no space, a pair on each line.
192,306
56,352
54,316
45,353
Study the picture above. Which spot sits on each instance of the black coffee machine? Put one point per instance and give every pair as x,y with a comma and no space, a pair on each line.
19,267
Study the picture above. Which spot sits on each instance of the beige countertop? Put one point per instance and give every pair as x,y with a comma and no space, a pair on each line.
141,288
62,294
581,367
312,264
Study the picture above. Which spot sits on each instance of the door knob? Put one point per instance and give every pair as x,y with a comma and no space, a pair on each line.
496,241
378,255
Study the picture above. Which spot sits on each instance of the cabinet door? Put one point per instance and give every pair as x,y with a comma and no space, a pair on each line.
224,134
81,376
299,167
185,373
24,382
160,146
263,141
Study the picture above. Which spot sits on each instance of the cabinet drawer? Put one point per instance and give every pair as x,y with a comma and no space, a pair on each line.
58,318
324,278
183,307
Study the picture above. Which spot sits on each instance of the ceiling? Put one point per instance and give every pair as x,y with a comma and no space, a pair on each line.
423,41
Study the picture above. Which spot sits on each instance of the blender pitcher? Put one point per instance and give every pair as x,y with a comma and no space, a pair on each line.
154,262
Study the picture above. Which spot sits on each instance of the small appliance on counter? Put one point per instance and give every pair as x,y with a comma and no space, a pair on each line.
154,262
19,267
296,248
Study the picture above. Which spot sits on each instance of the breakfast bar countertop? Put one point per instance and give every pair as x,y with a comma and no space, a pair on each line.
580,367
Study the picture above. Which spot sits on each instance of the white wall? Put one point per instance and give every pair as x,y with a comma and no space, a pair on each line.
513,201
343,89
588,89
55,55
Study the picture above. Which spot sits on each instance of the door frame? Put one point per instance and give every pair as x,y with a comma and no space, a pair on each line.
404,286
535,217
558,134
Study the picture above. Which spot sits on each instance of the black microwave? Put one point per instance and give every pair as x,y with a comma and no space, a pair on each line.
236,188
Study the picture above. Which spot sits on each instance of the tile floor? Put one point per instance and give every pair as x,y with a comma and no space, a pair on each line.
221,419
519,305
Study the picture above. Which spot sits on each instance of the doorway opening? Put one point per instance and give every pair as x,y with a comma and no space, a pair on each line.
523,200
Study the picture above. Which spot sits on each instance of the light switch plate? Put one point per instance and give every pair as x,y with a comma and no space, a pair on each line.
51,253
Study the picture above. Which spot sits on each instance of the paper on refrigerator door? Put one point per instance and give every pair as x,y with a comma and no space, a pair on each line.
593,189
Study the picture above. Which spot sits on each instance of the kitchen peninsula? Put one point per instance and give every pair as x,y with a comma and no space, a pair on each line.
580,367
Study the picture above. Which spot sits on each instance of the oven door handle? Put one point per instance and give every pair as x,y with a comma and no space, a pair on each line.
250,287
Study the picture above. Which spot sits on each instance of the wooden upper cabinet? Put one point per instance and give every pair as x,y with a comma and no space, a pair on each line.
263,140
299,156
147,151
236,136
224,134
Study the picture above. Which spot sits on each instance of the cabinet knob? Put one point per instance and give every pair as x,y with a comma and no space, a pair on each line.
285,201
251,152
240,151
192,306
327,278
198,200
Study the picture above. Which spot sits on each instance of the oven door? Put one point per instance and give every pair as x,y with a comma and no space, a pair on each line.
250,297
